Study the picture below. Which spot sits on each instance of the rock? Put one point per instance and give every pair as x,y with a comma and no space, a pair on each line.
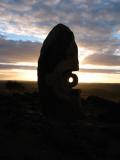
58,58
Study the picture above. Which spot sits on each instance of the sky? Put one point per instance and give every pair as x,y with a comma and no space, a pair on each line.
24,24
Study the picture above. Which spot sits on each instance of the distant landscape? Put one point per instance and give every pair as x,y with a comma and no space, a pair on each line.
110,91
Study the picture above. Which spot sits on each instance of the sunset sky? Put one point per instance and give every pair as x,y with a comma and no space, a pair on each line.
24,24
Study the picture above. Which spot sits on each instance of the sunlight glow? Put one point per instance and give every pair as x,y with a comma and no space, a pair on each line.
90,66
70,80
31,64
86,73
29,75
26,64
18,74
88,77
97,77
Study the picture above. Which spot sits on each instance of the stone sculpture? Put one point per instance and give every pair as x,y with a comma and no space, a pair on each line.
58,58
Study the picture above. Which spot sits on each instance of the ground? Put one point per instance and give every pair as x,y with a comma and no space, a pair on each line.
25,133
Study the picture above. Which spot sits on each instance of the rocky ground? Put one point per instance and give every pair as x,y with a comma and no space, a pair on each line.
26,134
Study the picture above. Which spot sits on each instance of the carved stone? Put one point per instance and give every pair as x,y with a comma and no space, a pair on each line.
58,58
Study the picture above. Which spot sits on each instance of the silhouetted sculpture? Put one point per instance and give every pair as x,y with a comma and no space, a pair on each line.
58,58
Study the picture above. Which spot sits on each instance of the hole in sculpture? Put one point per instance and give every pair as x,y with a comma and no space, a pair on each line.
70,80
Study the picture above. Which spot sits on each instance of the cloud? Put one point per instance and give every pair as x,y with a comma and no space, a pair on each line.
18,51
7,66
94,24
111,71
103,59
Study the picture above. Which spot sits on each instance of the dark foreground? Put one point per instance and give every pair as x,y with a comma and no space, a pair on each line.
26,134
